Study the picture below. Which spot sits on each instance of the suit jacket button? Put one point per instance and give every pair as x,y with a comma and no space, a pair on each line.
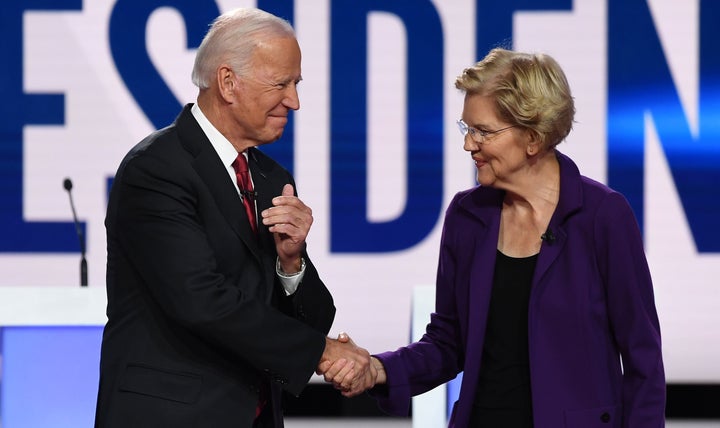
605,417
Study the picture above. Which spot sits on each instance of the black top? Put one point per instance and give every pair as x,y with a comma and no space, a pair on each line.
503,396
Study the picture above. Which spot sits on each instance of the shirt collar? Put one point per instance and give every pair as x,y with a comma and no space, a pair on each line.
222,145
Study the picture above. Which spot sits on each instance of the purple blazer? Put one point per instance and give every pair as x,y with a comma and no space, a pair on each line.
591,305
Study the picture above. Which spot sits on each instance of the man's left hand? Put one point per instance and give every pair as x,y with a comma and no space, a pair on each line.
289,220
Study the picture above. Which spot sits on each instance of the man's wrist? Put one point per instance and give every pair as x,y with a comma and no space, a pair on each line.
299,268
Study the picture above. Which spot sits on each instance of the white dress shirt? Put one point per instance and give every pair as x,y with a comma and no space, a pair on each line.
227,153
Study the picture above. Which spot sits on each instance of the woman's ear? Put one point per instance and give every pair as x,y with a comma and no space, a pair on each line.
532,148
533,144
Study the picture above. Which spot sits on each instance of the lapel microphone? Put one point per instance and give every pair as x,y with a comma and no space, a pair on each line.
548,236
248,194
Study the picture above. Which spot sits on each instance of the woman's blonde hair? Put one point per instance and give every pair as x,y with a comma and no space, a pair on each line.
529,90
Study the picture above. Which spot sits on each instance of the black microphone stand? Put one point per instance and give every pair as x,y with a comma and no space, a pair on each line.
67,184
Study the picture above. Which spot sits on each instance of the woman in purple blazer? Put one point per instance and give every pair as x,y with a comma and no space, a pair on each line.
544,297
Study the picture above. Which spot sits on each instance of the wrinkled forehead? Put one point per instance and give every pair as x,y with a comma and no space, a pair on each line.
479,108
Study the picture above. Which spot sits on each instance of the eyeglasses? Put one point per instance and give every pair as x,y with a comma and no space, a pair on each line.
479,136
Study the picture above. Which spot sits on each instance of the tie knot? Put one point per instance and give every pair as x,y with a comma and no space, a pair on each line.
240,164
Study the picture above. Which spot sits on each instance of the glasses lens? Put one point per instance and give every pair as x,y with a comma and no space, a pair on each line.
474,134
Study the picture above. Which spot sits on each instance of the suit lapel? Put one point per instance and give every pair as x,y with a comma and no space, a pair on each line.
210,169
570,202
485,207
265,193
267,184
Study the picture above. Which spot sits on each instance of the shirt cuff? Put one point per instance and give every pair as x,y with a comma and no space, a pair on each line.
290,282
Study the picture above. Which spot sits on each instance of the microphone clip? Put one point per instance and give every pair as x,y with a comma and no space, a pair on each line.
548,236
252,195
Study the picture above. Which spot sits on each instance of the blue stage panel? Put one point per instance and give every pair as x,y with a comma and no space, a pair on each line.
49,376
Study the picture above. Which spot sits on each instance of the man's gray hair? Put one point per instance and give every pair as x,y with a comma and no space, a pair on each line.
232,39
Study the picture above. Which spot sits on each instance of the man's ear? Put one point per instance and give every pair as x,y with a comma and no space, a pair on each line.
227,83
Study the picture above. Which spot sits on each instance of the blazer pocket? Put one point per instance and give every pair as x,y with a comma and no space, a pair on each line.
598,417
160,383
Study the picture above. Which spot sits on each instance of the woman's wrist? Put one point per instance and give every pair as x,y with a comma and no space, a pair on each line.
381,375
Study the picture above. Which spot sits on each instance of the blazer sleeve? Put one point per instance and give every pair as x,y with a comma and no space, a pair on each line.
311,302
438,356
633,317
160,228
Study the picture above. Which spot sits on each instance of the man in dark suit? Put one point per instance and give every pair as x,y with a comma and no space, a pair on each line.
213,304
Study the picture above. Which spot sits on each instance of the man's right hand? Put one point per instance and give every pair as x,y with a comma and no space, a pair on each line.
347,366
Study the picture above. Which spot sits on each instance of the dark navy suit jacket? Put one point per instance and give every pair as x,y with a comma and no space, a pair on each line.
591,304
198,324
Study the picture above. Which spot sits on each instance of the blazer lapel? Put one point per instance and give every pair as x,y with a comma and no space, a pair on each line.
265,194
487,211
485,207
208,166
266,186
570,201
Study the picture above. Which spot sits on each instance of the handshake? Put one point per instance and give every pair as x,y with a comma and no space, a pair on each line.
348,367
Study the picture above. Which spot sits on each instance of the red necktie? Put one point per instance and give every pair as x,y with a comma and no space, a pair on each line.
246,188
248,196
